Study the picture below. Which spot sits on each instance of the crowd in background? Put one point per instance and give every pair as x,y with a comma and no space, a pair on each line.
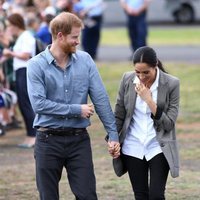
36,15
32,18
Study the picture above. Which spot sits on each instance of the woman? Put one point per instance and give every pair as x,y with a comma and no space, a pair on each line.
146,111
23,50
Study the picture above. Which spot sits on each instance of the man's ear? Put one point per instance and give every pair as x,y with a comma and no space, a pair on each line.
59,35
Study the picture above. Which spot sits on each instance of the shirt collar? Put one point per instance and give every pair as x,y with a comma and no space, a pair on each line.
48,55
155,83
51,59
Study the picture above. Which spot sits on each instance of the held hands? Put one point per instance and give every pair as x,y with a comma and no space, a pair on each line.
143,91
87,110
114,149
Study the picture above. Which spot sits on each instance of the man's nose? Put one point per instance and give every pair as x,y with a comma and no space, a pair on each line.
77,41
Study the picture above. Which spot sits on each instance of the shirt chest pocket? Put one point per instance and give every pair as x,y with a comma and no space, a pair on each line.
80,84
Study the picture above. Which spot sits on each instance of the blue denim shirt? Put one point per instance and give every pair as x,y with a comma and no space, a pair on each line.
56,95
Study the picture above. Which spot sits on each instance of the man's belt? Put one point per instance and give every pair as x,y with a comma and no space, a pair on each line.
63,131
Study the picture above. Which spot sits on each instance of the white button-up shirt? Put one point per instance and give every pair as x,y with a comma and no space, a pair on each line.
141,139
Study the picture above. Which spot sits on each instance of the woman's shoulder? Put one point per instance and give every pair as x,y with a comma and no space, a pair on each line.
28,34
169,78
128,75
26,38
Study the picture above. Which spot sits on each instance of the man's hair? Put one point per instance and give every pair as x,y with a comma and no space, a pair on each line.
63,23
17,20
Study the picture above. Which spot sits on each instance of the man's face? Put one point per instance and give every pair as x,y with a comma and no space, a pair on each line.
71,40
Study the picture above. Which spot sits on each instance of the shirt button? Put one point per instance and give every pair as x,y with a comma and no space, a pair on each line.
66,90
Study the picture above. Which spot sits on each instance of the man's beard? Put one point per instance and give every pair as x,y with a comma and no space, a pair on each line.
68,49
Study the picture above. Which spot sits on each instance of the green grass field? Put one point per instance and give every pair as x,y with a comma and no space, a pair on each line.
156,36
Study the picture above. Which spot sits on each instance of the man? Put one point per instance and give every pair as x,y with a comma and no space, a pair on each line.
136,11
59,82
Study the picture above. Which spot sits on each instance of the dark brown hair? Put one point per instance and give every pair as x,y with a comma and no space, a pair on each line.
17,20
147,55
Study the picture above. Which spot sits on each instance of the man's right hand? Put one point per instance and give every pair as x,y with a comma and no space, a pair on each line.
87,110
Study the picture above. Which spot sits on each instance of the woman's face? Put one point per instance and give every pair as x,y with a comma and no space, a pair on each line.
145,73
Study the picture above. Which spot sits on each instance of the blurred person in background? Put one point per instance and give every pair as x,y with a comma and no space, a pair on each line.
23,50
33,22
63,6
4,40
41,6
7,81
8,102
43,33
91,12
136,12
146,112
2,10
18,6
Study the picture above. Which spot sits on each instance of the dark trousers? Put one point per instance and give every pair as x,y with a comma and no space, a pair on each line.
52,153
24,102
137,30
140,171
91,37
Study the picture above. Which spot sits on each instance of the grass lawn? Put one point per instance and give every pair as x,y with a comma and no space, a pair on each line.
156,36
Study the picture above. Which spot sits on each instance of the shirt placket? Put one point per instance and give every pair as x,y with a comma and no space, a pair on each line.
66,81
